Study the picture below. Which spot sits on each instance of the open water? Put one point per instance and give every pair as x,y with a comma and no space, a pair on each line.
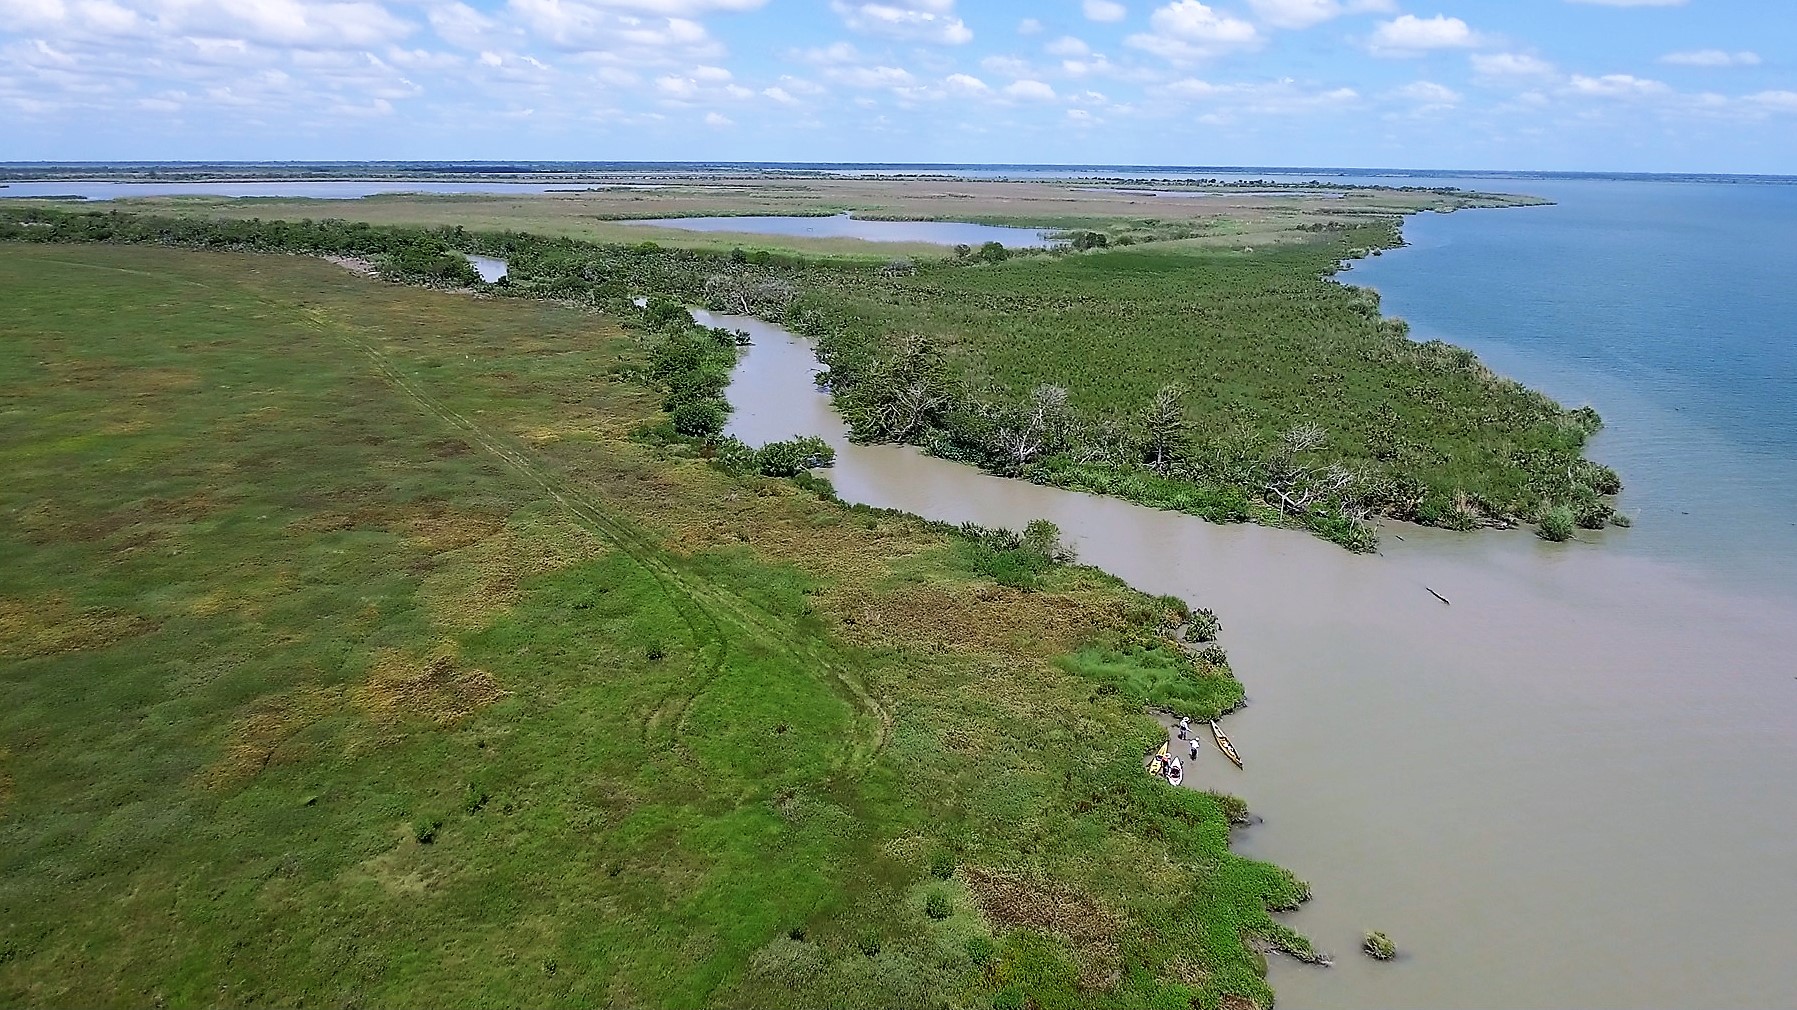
1576,785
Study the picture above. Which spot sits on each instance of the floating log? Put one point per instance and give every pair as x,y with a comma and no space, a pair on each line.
1439,596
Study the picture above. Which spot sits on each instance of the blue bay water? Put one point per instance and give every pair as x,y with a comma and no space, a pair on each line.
1671,307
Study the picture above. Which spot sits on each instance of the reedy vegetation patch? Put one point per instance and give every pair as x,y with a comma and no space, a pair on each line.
1236,386
375,662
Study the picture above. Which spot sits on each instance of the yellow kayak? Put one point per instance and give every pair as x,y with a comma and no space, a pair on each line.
1223,744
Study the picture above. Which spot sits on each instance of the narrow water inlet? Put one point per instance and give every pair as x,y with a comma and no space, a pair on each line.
1538,792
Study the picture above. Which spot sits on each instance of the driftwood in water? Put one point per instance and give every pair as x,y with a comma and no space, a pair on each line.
1439,596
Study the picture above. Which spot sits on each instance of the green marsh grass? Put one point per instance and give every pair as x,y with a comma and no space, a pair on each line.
302,571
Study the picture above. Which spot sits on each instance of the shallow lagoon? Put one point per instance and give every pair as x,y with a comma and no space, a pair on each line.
846,226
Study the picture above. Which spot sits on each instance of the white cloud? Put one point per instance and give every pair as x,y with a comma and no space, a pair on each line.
835,52
718,121
1080,68
587,27
1188,30
286,23
1511,65
1029,26
685,8
1105,10
871,77
1409,35
1006,66
909,20
1712,58
1067,46
1631,3
966,84
1783,101
461,25
1194,22
1080,116
1284,97
780,95
1428,93
1306,13
800,86
1033,91
1615,86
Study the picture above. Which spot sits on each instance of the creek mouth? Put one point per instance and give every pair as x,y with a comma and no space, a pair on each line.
1542,792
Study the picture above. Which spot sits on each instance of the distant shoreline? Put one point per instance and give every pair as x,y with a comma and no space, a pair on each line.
576,171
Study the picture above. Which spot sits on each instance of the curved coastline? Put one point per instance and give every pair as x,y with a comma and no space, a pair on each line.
1348,655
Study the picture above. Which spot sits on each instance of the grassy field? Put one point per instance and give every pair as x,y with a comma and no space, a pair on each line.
353,651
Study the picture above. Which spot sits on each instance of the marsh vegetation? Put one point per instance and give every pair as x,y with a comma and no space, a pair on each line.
1234,386
359,641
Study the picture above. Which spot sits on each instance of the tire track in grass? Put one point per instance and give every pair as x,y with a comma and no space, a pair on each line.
701,607
587,510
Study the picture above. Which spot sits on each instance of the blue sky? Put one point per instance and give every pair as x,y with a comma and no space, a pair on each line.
1636,85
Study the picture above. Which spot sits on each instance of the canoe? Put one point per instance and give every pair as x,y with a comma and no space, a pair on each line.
1224,745
1176,776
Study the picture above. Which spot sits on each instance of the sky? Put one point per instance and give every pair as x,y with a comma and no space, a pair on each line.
1578,85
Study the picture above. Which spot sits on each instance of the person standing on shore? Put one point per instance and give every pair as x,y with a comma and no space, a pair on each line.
1185,727
1194,743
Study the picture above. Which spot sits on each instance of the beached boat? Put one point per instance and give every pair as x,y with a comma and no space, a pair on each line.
1224,745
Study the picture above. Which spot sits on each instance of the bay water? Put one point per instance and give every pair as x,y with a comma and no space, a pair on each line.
1576,784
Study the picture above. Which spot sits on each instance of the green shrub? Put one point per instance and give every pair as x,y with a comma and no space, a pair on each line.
1172,610
1235,809
1379,946
1598,477
794,456
937,905
1592,514
698,418
942,864
425,829
1016,559
1555,524
1203,627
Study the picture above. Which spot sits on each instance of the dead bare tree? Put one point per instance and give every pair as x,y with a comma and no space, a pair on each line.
1042,427
745,295
1164,425
910,390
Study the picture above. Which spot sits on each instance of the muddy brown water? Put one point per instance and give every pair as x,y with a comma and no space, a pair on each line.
1576,785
